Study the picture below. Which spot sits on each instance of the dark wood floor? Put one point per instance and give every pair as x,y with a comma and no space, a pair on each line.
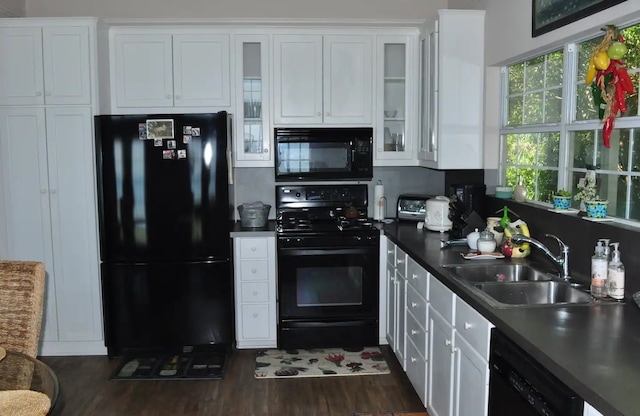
85,389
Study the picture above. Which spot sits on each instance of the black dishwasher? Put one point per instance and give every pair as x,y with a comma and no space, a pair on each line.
518,385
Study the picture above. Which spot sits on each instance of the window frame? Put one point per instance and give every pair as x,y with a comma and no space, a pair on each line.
567,125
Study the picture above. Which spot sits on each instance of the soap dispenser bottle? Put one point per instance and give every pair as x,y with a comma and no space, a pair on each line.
615,276
599,272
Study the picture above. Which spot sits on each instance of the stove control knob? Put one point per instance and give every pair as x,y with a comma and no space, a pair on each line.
297,194
358,238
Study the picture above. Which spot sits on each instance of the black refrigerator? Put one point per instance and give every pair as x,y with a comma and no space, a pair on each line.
165,211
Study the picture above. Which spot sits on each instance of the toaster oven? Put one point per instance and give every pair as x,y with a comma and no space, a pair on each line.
412,207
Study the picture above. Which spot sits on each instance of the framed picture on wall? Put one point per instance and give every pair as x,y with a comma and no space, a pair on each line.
548,15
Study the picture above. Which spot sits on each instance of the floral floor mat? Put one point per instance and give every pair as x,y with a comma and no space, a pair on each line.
320,362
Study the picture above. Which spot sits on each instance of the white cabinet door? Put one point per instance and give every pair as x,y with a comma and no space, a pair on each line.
401,314
67,69
452,128
471,387
392,305
201,71
252,141
347,79
25,187
440,364
396,100
297,79
52,218
74,223
143,73
49,65
323,79
21,68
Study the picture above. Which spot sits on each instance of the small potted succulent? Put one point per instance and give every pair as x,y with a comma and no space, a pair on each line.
561,199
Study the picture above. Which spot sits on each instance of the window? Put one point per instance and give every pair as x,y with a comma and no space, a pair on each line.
551,131
532,130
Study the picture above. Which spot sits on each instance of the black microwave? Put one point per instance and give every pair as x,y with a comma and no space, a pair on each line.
314,154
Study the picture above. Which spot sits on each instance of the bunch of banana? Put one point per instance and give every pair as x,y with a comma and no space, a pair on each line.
519,251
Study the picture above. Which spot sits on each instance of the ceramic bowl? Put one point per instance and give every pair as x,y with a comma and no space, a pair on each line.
390,113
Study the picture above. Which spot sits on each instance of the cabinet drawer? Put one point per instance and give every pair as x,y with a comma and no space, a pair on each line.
254,292
473,327
255,321
418,278
253,248
417,371
417,334
254,270
441,299
417,306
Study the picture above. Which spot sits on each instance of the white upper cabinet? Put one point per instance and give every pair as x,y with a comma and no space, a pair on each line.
323,79
44,65
397,101
453,90
201,73
162,70
252,146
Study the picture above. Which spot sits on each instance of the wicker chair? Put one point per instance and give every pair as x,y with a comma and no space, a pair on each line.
21,305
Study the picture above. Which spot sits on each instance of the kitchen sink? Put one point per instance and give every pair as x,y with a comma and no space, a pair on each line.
534,293
511,285
499,273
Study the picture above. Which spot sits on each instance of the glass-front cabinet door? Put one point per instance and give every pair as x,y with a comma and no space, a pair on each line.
394,134
252,133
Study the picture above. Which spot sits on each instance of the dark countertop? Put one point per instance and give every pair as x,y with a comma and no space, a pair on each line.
239,231
592,349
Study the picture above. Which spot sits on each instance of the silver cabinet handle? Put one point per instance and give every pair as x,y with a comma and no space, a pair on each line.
467,325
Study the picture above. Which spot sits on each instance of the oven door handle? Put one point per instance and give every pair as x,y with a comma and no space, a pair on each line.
321,324
322,251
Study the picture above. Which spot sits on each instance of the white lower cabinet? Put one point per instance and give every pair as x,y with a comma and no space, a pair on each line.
255,292
47,184
471,380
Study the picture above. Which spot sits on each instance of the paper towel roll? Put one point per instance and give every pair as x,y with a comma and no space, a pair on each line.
379,202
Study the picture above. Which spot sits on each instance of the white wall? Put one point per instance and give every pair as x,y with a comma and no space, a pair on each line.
330,9
12,8
508,22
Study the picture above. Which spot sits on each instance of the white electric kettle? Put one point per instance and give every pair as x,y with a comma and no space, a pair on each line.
437,216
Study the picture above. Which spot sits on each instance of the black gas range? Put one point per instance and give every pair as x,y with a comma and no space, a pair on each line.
328,267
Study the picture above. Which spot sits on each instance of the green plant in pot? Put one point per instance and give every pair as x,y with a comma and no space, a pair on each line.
590,201
561,199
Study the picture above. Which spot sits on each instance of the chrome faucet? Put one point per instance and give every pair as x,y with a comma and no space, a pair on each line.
561,261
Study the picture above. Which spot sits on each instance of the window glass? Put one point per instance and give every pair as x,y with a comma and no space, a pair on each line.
535,90
534,158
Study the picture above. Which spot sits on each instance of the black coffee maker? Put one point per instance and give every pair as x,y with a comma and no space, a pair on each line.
467,211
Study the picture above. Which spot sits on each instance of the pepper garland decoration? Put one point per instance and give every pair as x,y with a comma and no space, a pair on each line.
610,82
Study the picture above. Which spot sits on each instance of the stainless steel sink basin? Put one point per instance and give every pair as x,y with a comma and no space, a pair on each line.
499,273
513,285
534,293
